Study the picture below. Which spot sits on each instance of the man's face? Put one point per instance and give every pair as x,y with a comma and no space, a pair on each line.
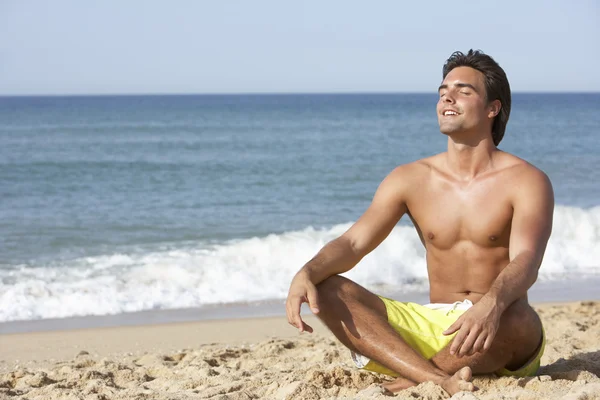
462,105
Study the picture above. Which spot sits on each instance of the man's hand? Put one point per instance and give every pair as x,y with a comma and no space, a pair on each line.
302,290
476,328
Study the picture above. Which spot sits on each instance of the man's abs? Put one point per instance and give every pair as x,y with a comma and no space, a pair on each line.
456,275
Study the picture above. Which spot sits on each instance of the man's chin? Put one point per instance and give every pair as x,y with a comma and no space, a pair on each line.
446,130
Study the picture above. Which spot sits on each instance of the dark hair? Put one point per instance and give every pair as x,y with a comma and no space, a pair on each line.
496,84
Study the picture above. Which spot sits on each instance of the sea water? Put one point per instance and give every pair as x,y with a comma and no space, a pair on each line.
114,204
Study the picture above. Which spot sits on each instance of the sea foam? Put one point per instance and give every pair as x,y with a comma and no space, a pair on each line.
249,270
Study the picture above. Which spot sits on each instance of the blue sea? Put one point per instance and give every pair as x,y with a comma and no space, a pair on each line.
116,204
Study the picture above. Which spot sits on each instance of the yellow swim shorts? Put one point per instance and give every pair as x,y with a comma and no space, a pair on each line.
422,326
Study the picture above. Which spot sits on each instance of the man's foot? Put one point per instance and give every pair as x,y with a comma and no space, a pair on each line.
460,381
398,384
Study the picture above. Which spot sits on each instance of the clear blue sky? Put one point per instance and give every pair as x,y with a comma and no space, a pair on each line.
135,46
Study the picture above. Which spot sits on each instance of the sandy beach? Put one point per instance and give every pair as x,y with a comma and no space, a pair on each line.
265,358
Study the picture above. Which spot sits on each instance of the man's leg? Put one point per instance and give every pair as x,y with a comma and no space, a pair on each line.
517,340
358,319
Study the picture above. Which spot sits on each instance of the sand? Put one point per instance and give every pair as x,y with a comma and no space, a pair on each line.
266,358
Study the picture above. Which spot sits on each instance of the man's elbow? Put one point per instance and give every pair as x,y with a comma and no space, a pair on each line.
534,275
353,245
529,260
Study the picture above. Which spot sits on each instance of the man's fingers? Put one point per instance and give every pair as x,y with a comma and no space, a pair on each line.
467,345
299,323
488,342
307,327
288,314
294,313
313,299
453,328
478,346
294,318
458,340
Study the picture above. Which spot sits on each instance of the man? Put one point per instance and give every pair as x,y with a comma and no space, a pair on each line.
484,217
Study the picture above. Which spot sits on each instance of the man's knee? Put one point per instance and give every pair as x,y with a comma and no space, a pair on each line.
334,288
519,319
337,293
520,331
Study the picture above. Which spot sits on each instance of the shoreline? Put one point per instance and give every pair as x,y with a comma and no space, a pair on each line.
543,292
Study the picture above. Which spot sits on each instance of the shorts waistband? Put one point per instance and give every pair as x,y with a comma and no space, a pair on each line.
447,308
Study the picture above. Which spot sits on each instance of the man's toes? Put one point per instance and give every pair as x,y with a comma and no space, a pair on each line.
465,374
466,386
398,384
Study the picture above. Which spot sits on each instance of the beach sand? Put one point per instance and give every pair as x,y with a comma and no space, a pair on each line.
265,358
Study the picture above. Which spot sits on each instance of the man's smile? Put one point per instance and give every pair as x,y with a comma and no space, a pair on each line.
449,112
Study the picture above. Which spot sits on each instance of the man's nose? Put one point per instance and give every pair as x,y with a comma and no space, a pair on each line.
449,98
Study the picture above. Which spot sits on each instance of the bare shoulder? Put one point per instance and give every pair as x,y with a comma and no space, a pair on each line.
521,170
431,164
524,178
401,181
413,170
405,176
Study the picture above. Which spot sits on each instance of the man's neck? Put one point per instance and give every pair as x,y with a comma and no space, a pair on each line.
467,160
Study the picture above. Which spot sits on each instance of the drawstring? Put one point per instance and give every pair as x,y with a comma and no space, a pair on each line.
457,304
454,306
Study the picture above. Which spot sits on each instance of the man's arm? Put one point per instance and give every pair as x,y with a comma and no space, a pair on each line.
343,253
531,229
533,208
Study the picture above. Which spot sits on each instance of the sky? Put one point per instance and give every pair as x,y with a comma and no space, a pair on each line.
64,47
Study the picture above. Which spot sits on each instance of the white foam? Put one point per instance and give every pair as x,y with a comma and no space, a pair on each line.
249,270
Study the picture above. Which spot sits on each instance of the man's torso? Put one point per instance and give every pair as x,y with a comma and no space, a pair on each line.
464,225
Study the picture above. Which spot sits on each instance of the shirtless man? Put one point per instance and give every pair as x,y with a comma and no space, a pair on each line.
484,217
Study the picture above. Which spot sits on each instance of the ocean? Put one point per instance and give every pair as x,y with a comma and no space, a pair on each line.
119,204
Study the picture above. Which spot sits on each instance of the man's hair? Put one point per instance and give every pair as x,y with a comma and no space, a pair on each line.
496,84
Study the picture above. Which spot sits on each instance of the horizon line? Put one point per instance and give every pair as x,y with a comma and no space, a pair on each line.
124,94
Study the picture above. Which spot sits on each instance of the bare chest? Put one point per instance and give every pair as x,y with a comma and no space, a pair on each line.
446,214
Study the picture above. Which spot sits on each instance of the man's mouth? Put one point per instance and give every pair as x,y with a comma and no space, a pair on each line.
449,112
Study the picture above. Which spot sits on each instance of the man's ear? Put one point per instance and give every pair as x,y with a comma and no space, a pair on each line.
494,107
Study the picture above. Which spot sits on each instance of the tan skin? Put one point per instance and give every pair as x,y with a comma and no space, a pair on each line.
484,217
